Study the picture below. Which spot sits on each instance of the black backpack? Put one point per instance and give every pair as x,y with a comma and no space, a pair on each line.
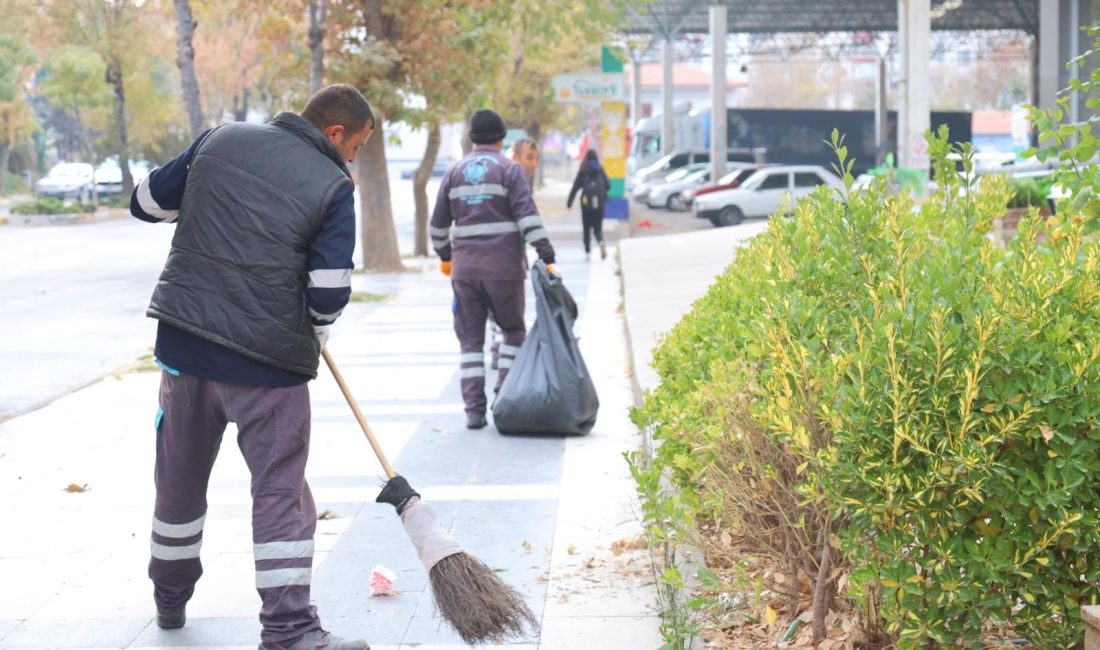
592,190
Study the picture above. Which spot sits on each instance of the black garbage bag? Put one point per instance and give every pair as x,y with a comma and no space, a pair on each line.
548,389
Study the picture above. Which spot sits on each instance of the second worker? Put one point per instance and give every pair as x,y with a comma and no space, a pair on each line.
483,215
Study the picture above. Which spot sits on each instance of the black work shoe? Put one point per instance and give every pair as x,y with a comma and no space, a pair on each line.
171,620
318,640
475,421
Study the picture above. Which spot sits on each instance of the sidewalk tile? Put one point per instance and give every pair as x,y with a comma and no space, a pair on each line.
604,633
68,634
204,633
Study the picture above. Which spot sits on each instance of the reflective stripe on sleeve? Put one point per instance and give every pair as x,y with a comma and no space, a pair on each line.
533,221
467,373
536,235
471,357
510,350
282,578
325,317
179,531
330,278
150,206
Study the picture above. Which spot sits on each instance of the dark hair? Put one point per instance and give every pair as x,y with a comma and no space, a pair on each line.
590,156
524,143
341,104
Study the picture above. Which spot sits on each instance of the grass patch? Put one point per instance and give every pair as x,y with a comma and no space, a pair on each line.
145,363
366,296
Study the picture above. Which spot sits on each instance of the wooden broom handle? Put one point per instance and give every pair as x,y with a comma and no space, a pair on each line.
358,415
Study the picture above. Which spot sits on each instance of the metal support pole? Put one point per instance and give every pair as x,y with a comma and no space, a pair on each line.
1050,60
718,146
635,94
666,96
880,111
915,26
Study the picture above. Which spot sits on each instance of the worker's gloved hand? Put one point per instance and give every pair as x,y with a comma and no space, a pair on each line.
553,270
322,334
397,493
445,268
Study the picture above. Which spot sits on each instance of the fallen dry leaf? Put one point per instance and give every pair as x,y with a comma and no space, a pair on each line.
572,550
326,514
526,546
73,487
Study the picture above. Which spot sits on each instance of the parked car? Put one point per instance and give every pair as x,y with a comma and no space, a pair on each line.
727,182
438,170
108,175
673,161
763,193
67,180
667,194
641,190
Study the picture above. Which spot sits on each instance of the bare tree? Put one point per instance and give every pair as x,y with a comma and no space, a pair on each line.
185,60
318,14
420,185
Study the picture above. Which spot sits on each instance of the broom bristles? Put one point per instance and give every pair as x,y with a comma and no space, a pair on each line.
479,605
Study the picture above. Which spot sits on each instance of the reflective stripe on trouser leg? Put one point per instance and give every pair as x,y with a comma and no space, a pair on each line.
273,425
470,313
188,435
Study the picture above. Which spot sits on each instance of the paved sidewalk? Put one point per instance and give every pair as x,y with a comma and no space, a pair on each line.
544,511
664,275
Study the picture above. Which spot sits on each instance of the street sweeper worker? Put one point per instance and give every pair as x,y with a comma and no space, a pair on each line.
483,214
259,269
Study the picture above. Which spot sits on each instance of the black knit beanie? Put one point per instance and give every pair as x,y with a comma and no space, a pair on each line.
486,127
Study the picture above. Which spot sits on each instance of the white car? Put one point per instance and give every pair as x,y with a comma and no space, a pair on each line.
667,194
641,189
763,193
108,175
67,181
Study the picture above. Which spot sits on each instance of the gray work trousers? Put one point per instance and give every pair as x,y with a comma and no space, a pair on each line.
273,435
475,300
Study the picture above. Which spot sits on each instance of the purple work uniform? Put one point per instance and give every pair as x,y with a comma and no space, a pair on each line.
483,215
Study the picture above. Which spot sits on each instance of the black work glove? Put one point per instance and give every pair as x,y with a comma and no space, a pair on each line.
397,493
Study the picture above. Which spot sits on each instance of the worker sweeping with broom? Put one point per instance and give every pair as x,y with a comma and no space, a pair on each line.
259,268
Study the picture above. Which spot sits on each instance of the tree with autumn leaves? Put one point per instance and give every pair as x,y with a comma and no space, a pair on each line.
173,68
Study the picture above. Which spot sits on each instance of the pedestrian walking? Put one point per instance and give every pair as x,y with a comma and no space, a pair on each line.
525,152
592,183
259,269
483,215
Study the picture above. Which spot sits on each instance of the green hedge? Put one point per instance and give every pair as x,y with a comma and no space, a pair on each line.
50,205
886,390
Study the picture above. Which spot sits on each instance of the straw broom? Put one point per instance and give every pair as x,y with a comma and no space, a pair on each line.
468,594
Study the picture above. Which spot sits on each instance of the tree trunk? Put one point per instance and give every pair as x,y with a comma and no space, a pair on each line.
240,106
318,13
823,586
420,189
185,60
114,77
380,252
5,155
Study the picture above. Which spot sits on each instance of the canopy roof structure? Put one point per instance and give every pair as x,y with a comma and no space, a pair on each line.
668,17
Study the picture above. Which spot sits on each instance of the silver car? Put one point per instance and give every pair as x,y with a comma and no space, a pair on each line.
67,181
